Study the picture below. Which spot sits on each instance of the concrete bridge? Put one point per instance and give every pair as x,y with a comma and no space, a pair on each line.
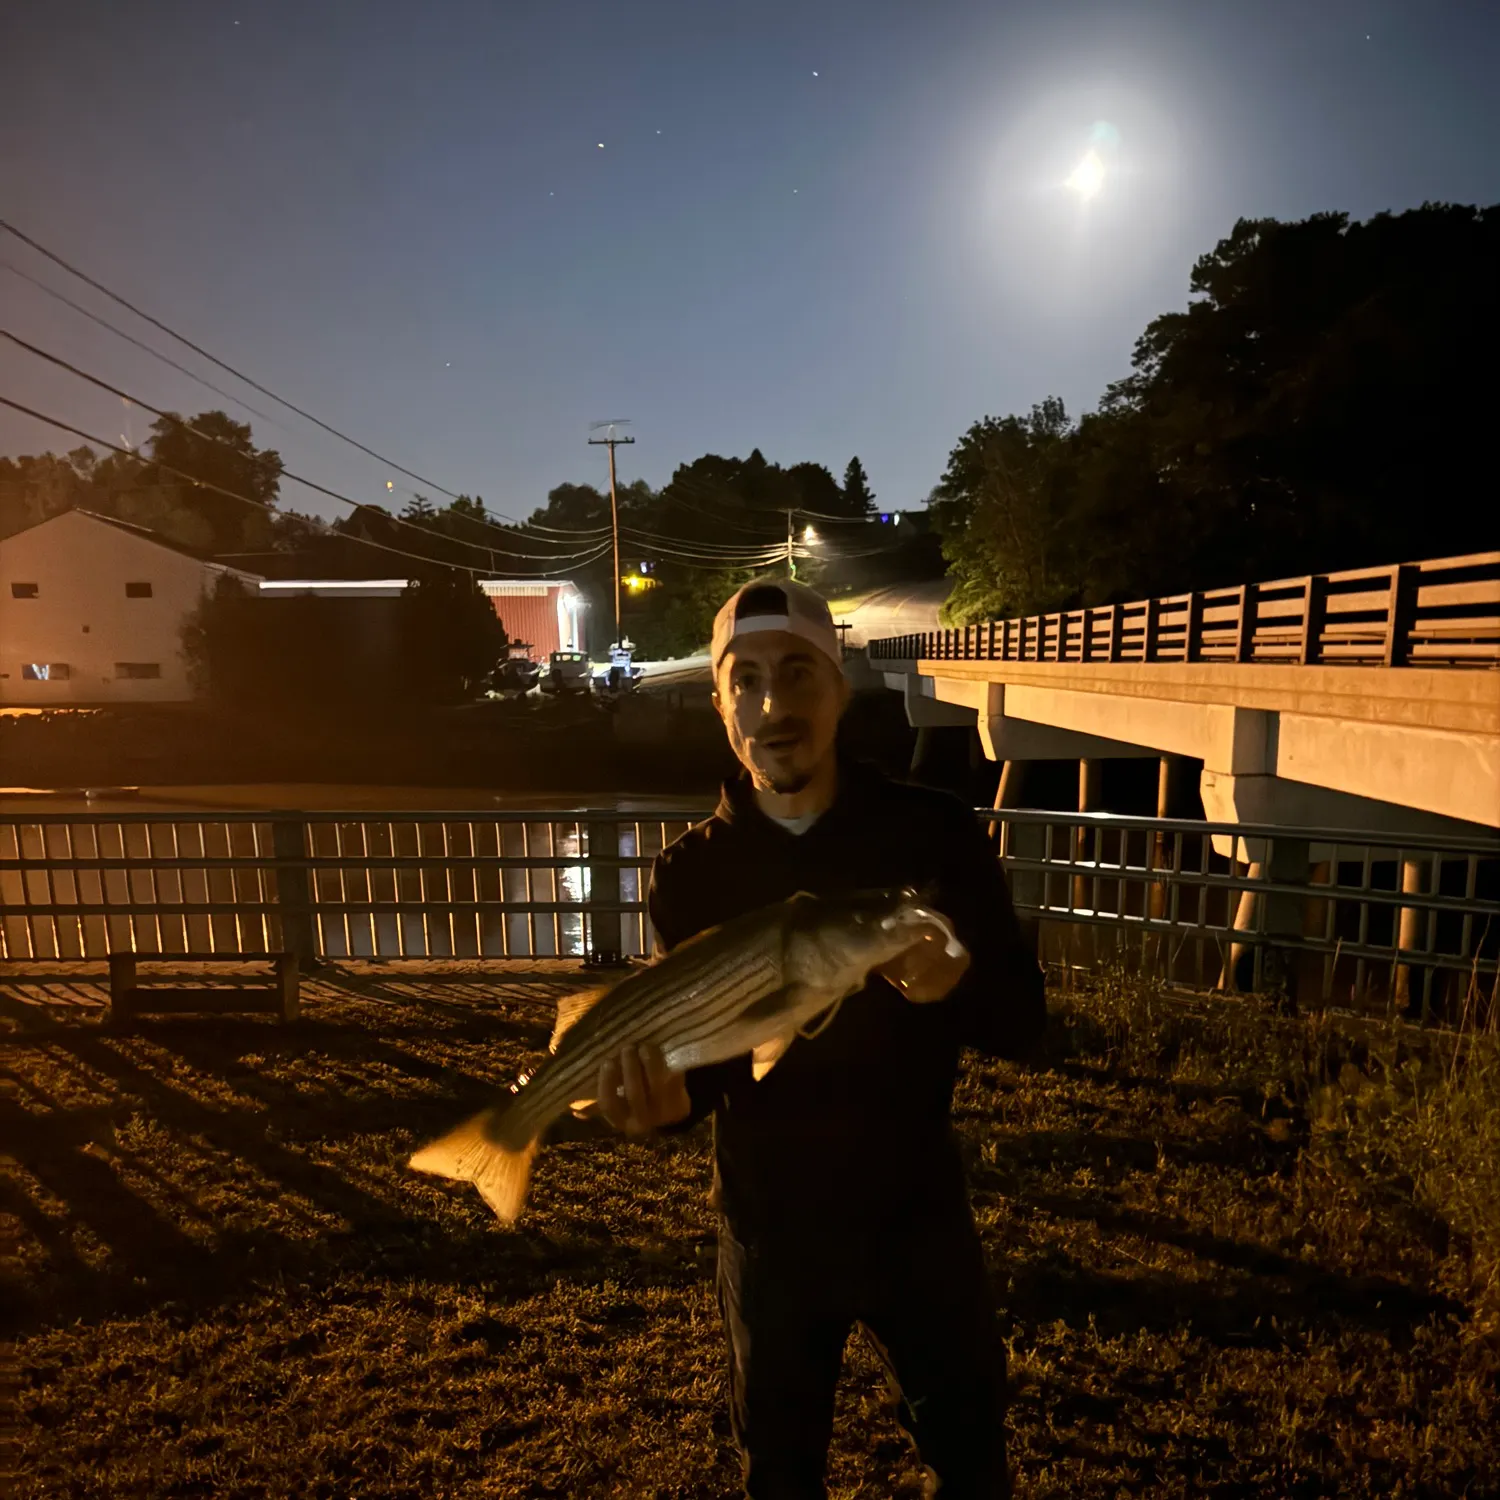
1365,700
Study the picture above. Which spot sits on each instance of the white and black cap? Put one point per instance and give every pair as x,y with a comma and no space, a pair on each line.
780,605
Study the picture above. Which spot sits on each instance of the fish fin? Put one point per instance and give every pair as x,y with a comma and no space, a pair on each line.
768,1054
470,1154
772,1003
571,1009
816,1025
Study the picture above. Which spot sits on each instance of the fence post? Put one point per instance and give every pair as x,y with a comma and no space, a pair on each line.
602,943
1192,639
1398,615
1244,634
290,846
1314,614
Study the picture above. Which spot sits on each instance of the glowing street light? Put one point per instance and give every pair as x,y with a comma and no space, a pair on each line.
809,535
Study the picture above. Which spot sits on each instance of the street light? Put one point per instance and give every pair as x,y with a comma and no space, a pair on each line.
809,535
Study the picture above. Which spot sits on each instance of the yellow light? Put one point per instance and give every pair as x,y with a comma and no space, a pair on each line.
809,535
1087,177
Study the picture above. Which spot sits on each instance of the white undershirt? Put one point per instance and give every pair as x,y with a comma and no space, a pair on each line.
798,825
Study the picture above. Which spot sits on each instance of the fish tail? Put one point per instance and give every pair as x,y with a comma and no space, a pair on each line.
471,1153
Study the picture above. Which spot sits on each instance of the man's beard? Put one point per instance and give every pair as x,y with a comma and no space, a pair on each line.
789,786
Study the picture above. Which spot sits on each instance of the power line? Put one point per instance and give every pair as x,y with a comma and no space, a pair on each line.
129,338
650,540
198,349
728,559
655,539
239,401
228,494
286,473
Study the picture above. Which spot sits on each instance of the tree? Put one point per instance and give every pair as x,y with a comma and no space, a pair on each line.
1319,405
450,636
34,488
1006,509
213,449
859,498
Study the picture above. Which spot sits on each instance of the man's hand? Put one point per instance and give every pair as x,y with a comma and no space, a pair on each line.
926,971
639,1093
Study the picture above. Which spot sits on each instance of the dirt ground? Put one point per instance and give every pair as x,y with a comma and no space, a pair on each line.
225,1283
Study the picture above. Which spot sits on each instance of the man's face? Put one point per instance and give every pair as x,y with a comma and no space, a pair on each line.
780,700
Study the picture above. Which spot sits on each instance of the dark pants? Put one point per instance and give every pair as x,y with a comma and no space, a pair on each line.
922,1295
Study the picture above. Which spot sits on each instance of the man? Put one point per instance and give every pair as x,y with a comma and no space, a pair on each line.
837,1176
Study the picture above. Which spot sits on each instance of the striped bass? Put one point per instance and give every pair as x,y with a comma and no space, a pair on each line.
751,985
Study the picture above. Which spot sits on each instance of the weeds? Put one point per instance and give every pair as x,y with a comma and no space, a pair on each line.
1241,1253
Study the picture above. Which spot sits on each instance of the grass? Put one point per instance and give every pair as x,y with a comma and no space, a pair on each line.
1240,1253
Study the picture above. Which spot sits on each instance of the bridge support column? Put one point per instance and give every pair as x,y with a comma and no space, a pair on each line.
1009,791
1282,861
1168,784
1411,935
1090,799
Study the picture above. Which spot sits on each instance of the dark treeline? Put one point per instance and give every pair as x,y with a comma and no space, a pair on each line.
1325,402
684,547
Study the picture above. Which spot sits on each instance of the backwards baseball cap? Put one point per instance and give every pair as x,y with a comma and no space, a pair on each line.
782,605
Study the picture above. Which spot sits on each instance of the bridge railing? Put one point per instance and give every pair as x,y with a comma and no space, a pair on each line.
1440,613
1362,914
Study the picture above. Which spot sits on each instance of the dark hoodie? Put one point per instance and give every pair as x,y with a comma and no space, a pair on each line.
852,1125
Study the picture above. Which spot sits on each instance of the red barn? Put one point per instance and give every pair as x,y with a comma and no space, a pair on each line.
546,614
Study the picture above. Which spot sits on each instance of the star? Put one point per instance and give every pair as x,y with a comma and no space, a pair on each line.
815,72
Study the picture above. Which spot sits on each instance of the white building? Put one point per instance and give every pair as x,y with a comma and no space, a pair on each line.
91,611
545,613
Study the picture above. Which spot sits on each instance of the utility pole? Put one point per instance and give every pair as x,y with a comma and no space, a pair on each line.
612,442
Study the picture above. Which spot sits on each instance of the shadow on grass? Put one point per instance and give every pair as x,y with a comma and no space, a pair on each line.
1111,1158
1274,1295
137,1215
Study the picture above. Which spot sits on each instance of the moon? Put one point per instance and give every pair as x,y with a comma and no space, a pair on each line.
1087,177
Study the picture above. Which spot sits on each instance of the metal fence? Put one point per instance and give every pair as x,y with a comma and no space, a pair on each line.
1331,914
393,885
1441,613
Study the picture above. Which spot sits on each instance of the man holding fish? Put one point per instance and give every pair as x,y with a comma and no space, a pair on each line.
816,1005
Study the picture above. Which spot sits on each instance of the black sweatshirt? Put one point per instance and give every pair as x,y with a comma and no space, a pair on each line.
851,1127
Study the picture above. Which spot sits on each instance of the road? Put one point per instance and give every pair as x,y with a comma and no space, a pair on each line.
901,609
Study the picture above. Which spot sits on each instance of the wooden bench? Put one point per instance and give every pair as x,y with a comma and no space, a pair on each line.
278,994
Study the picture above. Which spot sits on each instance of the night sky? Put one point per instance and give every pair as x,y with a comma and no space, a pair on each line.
822,229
